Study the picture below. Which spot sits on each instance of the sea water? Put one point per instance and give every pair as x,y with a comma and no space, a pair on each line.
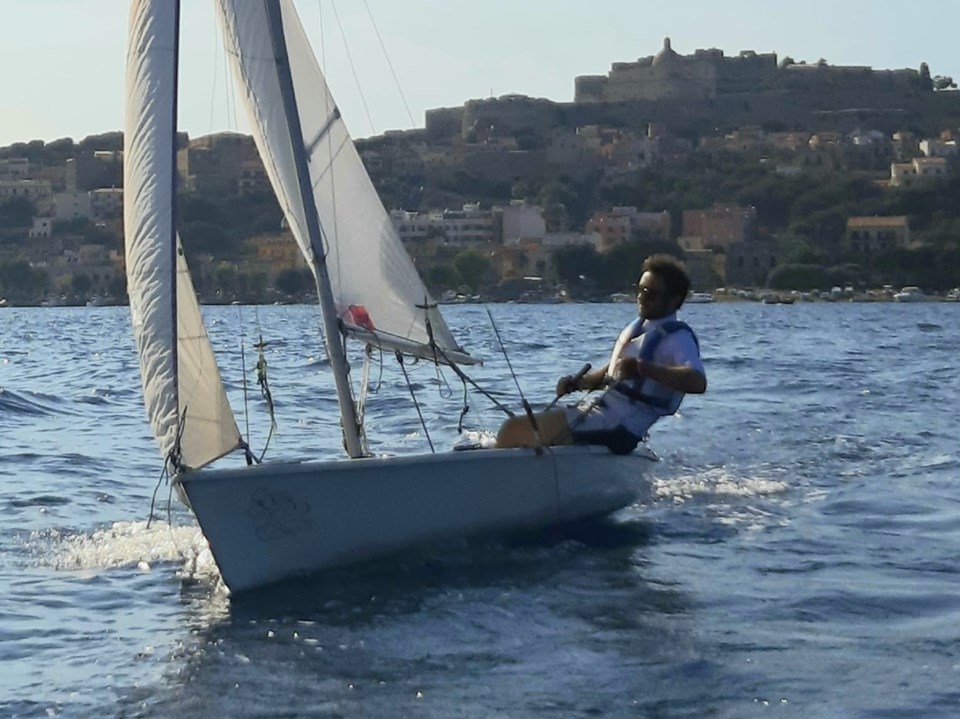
800,555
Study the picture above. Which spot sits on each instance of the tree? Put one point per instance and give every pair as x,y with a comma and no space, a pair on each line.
294,282
16,212
944,82
205,237
800,277
472,268
19,282
442,277
574,263
81,284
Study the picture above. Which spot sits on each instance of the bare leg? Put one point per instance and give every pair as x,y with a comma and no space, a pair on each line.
519,432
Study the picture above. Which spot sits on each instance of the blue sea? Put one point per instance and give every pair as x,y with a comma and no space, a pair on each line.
799,557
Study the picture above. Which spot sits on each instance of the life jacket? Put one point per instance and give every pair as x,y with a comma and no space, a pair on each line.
643,389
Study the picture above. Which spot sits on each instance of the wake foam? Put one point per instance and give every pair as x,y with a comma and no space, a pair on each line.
129,545
716,483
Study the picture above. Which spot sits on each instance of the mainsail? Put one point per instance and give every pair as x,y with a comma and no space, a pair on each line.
182,388
376,289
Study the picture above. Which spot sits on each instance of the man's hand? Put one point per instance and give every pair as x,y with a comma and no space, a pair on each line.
566,385
630,367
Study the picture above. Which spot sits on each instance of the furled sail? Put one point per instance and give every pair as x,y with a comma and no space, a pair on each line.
182,388
378,294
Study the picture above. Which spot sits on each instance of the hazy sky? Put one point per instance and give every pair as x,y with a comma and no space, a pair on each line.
63,60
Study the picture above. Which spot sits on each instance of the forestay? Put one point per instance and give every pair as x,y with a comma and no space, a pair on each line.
378,294
182,388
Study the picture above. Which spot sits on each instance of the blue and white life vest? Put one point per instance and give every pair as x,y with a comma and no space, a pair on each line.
637,340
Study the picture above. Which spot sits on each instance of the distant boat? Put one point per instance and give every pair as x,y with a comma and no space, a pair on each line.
910,294
700,298
774,299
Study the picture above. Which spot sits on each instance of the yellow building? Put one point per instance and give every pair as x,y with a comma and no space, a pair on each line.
869,235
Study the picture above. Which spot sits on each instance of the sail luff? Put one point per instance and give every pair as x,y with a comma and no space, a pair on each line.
183,393
332,335
148,221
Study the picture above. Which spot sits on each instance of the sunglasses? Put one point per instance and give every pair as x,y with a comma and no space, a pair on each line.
649,293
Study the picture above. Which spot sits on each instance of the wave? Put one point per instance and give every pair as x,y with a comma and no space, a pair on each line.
31,403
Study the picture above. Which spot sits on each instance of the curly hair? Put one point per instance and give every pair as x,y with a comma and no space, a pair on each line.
673,273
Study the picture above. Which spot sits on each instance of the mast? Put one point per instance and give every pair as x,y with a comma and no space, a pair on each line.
331,328
176,451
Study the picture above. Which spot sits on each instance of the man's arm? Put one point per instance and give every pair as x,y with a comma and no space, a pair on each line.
679,378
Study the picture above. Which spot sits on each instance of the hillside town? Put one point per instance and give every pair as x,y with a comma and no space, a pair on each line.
763,175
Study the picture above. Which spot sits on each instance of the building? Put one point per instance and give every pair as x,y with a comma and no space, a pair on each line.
107,203
918,172
624,224
36,191
72,205
718,227
15,168
521,221
220,163
279,251
870,235
468,227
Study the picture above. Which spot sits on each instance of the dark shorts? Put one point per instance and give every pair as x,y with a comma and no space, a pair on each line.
618,440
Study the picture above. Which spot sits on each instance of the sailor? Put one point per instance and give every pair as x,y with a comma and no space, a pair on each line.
654,363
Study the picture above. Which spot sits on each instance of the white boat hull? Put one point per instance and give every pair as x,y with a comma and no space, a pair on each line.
273,522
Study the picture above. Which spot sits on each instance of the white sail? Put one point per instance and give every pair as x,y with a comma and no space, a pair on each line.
378,294
182,388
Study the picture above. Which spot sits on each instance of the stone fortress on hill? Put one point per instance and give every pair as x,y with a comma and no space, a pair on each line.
709,91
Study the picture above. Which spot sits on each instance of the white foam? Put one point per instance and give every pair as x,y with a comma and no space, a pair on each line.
129,544
718,483
487,440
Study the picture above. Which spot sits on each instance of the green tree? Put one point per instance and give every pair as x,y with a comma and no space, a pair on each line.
201,237
575,263
16,212
81,284
443,277
294,282
19,282
472,267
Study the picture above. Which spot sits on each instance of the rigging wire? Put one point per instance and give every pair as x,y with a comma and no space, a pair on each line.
353,69
416,404
523,400
386,56
503,349
218,47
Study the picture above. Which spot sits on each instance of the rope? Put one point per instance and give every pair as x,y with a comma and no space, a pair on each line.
243,373
464,377
413,396
264,384
153,498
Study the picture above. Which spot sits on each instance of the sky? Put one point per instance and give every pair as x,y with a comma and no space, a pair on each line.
63,60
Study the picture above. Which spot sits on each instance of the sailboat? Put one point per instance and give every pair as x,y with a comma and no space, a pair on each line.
280,520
